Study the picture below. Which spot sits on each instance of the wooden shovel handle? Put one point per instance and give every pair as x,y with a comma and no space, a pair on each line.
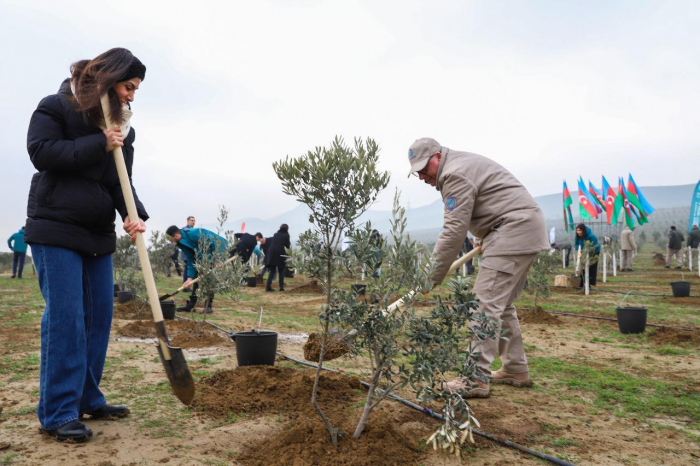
455,265
134,217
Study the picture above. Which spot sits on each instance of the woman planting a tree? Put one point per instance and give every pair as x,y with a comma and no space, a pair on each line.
72,234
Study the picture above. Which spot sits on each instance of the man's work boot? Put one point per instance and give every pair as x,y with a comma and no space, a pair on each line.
480,390
516,380
188,307
207,307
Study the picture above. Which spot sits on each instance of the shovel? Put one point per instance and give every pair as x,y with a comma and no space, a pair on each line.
172,358
166,296
337,344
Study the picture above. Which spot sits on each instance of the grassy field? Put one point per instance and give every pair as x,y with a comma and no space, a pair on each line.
599,397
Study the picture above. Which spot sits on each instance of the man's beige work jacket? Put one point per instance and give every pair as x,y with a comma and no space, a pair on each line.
484,198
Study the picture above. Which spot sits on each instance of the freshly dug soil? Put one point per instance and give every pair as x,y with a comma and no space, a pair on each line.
690,300
253,389
659,259
334,348
666,335
308,442
182,333
127,311
391,436
309,288
541,317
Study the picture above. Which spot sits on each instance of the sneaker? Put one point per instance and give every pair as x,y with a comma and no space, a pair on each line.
109,412
516,380
270,289
667,266
481,390
679,267
12,276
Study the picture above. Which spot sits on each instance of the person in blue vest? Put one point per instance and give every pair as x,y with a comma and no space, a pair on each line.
19,248
190,243
583,234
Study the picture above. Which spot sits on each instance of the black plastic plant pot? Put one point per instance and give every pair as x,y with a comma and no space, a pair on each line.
255,348
251,281
359,289
680,289
117,289
632,319
124,296
168,308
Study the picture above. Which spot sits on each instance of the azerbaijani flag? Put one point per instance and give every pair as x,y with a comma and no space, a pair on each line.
609,200
625,203
632,188
586,205
634,201
597,196
568,217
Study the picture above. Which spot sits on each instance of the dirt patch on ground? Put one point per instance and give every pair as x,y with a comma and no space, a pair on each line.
334,348
658,259
540,317
266,389
182,333
309,288
667,335
307,442
127,311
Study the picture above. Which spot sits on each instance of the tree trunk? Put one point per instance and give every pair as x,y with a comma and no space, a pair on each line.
333,431
370,400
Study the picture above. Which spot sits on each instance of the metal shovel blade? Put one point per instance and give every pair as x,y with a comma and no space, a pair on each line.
175,366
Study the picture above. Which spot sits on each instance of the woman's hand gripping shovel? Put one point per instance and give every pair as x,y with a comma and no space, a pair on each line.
172,358
338,345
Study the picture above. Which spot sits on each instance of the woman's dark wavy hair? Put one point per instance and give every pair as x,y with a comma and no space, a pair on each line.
102,72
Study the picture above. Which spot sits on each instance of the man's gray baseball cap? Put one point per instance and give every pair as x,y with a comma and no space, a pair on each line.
420,152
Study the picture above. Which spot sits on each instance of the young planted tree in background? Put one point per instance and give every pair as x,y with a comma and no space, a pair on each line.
214,276
538,278
337,183
160,251
304,258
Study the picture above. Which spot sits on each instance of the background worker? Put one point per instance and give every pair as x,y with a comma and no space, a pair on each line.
693,243
191,243
482,197
265,244
675,244
190,224
629,247
583,234
19,248
278,259
245,246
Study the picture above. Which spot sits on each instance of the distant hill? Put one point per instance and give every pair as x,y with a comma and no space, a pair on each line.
425,222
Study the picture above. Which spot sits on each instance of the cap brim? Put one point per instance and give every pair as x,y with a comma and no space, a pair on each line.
418,166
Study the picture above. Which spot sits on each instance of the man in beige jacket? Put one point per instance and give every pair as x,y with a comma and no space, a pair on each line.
628,246
484,198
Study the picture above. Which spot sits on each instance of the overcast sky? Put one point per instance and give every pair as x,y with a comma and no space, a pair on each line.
549,89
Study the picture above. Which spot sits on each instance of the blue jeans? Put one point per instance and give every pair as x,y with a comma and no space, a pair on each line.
18,263
78,290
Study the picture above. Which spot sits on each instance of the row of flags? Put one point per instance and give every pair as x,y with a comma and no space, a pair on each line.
608,202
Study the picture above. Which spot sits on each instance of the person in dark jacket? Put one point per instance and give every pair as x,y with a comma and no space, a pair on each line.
19,248
583,234
277,252
71,232
190,224
675,244
265,244
191,242
693,243
244,247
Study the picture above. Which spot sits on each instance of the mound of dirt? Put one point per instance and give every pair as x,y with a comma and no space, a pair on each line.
309,288
334,348
540,317
659,259
258,389
127,311
269,388
689,301
666,335
182,333
307,442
